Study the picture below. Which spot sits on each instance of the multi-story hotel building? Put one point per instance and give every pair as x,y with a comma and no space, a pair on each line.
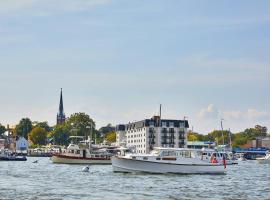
155,132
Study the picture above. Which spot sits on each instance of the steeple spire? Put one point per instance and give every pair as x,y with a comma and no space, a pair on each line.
61,115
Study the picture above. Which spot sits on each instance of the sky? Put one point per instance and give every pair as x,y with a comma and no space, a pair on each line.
118,60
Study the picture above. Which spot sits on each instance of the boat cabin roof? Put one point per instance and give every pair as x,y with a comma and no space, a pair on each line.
187,149
175,149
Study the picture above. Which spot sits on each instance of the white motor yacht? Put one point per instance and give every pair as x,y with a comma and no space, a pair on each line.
168,160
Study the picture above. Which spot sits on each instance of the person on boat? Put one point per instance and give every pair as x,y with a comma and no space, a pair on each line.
211,158
214,160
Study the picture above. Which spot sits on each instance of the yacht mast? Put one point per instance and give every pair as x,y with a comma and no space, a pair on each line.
160,114
222,130
230,138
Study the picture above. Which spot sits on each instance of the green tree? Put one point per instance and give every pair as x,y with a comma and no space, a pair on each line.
43,125
218,135
192,136
80,124
24,127
106,129
111,137
60,135
38,136
2,129
258,131
239,139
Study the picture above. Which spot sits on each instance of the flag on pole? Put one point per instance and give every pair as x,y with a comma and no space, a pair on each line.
224,161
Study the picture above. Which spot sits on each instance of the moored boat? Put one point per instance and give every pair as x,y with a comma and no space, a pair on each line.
264,160
168,160
6,155
82,154
240,157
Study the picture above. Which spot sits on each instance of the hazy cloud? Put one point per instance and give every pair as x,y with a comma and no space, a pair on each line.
210,112
233,114
255,114
248,114
47,7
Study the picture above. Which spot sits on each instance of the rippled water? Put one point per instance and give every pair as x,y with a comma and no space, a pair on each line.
44,180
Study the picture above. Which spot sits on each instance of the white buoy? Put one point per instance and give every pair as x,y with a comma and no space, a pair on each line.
85,169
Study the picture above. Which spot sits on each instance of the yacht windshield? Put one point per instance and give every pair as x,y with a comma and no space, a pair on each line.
155,152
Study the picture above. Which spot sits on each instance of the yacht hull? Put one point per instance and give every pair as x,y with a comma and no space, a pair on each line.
131,165
79,160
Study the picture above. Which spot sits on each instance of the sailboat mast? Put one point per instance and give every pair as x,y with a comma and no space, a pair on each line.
230,137
222,130
160,114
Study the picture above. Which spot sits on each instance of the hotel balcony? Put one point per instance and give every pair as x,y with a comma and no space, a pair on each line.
164,130
151,130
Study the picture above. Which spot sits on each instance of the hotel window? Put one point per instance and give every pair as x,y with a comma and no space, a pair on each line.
171,124
164,124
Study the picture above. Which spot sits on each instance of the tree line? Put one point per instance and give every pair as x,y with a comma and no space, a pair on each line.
78,124
237,139
81,124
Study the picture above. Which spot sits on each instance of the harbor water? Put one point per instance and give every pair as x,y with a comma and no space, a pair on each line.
45,180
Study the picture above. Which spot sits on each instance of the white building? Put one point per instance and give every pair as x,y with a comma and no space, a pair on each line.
22,144
149,133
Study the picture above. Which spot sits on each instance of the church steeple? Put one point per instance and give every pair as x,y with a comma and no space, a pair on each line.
61,115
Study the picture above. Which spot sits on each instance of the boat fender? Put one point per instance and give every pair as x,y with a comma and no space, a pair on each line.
85,169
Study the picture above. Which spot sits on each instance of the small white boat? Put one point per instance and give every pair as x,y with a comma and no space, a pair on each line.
168,160
240,156
264,160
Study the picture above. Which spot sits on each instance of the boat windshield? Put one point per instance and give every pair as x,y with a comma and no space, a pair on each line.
168,153
155,152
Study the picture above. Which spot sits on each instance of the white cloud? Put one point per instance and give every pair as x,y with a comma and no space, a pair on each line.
210,112
233,114
245,115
